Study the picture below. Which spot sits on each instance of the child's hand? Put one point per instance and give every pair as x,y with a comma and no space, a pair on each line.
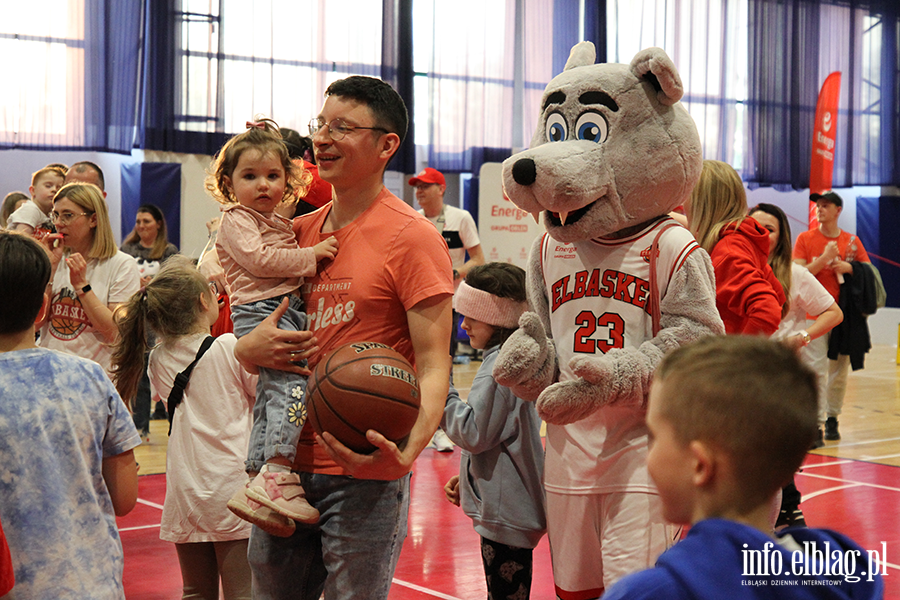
212,225
451,490
326,249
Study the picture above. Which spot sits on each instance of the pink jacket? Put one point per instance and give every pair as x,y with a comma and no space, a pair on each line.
260,255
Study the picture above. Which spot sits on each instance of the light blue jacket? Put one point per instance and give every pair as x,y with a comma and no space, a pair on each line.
502,465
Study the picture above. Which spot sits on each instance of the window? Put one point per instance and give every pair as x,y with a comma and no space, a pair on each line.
480,70
240,58
41,99
707,41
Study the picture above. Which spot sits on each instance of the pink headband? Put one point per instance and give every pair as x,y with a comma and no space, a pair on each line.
488,308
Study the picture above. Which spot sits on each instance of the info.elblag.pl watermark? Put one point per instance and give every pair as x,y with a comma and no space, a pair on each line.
813,564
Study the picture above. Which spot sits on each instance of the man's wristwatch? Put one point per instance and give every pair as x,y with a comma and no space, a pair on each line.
87,288
804,335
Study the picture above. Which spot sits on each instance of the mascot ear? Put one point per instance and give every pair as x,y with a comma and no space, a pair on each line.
582,54
654,65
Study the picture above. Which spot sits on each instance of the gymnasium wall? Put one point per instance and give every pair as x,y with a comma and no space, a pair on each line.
16,167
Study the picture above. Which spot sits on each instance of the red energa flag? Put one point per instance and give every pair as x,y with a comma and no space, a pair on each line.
821,164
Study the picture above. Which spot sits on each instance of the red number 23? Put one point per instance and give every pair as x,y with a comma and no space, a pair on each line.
587,325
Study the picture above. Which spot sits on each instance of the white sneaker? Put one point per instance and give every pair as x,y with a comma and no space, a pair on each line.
440,441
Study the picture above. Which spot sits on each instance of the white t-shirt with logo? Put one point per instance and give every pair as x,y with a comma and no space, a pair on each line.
458,230
68,328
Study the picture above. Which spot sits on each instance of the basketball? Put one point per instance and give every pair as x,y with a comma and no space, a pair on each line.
361,386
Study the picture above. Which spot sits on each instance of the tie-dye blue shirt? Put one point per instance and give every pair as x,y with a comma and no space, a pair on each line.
60,416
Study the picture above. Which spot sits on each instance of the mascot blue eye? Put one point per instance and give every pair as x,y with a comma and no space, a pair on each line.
556,128
592,127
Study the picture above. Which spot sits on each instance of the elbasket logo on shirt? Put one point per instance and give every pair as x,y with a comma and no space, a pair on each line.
645,253
614,284
67,316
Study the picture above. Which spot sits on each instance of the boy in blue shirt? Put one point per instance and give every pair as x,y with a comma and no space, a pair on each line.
66,439
730,420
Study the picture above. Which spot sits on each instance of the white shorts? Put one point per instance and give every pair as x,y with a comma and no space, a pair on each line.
597,539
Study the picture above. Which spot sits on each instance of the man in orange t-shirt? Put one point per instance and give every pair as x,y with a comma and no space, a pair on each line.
390,282
827,252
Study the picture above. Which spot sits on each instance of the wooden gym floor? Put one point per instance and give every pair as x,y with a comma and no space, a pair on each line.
852,485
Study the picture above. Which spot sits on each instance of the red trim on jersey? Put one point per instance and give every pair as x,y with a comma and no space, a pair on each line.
682,258
636,236
544,237
582,595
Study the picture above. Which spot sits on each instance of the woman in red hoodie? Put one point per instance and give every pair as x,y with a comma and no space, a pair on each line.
748,295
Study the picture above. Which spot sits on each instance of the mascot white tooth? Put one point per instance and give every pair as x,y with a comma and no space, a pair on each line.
614,152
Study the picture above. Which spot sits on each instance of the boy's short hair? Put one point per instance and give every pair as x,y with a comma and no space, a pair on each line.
48,170
385,103
748,396
24,274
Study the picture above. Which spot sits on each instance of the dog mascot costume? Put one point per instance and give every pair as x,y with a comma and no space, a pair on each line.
614,152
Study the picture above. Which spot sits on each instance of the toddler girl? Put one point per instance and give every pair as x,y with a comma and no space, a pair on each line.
251,175
502,461
210,426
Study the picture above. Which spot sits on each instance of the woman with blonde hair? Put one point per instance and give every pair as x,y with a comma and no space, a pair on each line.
749,297
90,277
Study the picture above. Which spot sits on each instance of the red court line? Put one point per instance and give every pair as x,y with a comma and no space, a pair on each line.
441,557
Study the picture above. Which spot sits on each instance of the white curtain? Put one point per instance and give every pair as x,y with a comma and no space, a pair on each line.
277,59
707,40
42,70
482,89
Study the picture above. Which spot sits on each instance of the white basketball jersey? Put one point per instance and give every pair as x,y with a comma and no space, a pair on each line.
599,299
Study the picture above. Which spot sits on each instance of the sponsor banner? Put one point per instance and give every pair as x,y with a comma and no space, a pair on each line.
821,164
506,231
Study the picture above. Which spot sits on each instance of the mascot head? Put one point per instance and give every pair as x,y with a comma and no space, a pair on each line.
613,147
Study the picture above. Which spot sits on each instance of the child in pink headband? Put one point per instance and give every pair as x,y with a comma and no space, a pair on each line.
502,462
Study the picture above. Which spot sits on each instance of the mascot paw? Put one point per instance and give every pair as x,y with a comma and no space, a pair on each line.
597,370
569,401
523,354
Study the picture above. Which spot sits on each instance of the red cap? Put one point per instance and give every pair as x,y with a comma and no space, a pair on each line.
428,175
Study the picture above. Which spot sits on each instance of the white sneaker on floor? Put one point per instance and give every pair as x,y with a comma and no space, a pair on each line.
440,442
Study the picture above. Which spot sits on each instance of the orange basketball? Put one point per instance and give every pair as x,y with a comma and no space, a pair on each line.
361,386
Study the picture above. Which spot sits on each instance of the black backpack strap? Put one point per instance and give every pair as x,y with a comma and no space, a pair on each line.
182,379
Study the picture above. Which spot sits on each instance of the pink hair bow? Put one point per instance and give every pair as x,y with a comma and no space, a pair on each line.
256,124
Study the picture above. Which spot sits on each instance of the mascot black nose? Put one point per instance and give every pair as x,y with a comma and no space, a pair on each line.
524,172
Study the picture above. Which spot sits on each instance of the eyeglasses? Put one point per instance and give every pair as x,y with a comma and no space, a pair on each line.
337,129
214,288
66,217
